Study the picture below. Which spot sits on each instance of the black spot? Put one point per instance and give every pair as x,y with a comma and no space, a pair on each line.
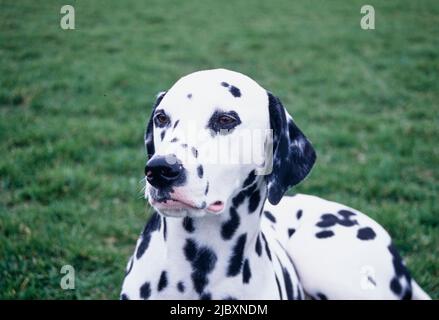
324,234
194,152
176,123
165,229
163,281
174,139
291,232
267,249
207,188
299,214
372,280
288,284
366,233
407,295
206,296
145,290
162,135
152,225
230,298
250,179
124,297
144,244
258,247
270,216
235,263
346,214
400,272
329,220
202,265
321,296
395,286
246,272
254,201
200,171
235,91
188,224
190,249
189,96
130,266
229,227
184,145
202,260
240,197
279,288
180,286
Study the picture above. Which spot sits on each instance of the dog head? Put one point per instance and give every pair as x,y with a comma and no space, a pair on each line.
211,135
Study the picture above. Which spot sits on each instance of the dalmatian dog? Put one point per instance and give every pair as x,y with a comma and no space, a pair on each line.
213,235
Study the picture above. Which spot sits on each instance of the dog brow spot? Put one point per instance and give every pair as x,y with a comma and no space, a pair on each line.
232,89
235,91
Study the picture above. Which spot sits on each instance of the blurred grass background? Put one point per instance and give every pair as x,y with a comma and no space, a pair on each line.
74,104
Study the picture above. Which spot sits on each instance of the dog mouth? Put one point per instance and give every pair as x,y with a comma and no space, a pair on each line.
177,203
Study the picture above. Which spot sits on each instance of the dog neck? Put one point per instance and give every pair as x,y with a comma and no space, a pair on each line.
233,233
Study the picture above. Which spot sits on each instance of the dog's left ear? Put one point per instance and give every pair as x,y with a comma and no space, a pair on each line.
293,154
149,132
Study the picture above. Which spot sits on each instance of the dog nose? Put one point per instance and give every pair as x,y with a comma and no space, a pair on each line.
163,171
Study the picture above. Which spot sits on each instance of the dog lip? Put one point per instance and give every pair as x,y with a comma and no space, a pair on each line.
216,207
173,202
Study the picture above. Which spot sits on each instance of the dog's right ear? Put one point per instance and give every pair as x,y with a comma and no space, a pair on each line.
149,132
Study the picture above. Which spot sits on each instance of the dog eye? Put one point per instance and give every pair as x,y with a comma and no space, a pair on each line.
161,119
223,121
226,120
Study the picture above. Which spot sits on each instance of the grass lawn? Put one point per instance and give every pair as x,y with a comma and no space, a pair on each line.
73,106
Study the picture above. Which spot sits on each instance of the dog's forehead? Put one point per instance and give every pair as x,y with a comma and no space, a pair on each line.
218,89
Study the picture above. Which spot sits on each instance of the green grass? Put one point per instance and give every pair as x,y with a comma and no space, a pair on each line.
73,106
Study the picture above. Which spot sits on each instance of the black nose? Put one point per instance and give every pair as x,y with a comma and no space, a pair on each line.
163,171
